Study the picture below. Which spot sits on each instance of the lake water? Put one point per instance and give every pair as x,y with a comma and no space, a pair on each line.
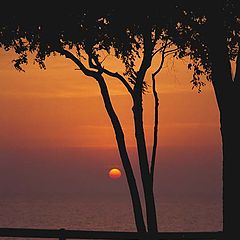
115,213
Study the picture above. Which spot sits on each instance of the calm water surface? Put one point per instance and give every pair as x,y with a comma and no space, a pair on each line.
77,212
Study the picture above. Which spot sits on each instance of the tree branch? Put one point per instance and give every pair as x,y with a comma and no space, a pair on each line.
109,73
237,72
71,56
156,102
156,105
121,78
91,64
161,48
146,62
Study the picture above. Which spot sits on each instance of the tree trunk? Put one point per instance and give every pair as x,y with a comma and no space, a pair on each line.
230,132
144,166
227,97
155,130
138,214
230,139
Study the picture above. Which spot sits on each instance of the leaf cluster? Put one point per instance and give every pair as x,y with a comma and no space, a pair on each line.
121,30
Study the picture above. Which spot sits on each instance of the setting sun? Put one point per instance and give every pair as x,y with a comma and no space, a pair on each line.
114,173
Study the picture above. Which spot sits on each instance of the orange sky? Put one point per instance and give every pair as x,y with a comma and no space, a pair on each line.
60,108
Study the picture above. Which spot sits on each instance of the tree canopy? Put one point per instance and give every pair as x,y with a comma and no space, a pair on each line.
79,28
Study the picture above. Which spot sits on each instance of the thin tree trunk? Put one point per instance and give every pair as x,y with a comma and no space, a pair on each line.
155,130
156,105
139,220
144,166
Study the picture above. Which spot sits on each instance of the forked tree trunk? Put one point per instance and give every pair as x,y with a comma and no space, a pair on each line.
144,166
147,182
139,133
136,202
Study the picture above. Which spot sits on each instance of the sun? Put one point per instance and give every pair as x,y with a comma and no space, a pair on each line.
114,173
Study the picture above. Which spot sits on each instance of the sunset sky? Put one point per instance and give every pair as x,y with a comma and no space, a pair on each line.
56,135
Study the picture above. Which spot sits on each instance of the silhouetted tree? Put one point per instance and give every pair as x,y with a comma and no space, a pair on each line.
86,37
207,34
210,36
